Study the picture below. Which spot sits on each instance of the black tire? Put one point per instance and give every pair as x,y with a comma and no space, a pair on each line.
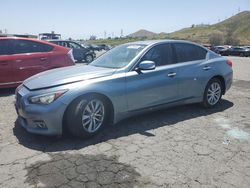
206,102
89,58
241,54
74,114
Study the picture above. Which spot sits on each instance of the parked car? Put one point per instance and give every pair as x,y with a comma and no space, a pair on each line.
21,58
219,49
80,52
237,51
129,79
104,47
97,47
91,47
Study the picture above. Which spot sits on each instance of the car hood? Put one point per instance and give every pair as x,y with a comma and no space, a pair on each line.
66,75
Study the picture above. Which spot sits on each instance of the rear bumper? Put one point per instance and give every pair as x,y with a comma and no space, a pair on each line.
228,81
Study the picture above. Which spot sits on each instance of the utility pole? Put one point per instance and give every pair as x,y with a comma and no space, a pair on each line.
121,33
105,34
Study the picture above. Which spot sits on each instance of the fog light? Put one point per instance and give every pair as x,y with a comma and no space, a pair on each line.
40,124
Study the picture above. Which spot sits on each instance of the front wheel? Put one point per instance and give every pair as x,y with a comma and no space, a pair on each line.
213,93
86,116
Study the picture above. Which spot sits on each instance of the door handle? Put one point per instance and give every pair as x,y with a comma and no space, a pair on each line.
43,58
206,68
171,74
18,60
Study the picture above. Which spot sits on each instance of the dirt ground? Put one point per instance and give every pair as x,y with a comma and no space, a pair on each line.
186,146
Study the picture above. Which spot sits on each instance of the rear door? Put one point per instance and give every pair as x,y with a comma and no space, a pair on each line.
153,87
192,69
30,58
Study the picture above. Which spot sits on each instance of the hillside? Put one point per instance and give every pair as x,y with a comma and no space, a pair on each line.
238,26
142,33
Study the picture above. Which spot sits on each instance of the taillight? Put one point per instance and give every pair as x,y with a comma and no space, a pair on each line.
230,63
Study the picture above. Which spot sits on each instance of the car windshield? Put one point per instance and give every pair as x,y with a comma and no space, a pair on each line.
119,56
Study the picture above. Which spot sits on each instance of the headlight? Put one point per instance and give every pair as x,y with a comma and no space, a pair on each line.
47,98
17,89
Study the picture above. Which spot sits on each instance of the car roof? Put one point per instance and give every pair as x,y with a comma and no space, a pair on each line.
28,39
154,42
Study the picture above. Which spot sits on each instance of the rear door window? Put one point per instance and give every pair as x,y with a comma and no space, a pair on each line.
6,47
25,46
161,54
188,52
74,45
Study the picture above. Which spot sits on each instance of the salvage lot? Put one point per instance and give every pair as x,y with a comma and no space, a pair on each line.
186,146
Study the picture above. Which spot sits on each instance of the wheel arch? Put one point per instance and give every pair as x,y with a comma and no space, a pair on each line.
100,95
222,80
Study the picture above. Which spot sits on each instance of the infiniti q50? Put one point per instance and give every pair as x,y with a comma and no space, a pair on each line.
129,79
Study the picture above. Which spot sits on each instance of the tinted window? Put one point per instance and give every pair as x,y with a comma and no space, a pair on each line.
238,48
161,54
4,47
74,45
61,43
65,44
25,46
189,52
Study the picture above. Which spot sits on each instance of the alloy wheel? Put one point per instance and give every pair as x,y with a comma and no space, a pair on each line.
213,93
89,58
93,116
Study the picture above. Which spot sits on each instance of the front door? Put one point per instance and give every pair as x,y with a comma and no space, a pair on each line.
153,87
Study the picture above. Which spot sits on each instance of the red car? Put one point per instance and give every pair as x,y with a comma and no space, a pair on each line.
21,58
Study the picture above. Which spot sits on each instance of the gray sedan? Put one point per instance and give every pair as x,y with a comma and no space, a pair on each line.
129,79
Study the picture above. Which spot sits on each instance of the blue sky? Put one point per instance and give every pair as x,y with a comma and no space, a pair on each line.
82,18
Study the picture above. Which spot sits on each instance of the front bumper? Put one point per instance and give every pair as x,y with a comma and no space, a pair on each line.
40,119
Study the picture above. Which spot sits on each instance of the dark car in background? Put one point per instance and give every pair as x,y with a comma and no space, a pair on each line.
80,52
92,47
237,51
21,58
104,47
98,47
219,49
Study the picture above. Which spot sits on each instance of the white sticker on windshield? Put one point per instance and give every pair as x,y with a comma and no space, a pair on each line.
133,47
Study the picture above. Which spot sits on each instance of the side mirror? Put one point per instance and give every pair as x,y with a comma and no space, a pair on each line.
146,65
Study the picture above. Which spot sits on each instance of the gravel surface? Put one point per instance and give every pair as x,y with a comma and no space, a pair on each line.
186,146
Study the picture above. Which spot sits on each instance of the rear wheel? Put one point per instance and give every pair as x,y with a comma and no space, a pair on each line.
213,93
89,58
87,116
